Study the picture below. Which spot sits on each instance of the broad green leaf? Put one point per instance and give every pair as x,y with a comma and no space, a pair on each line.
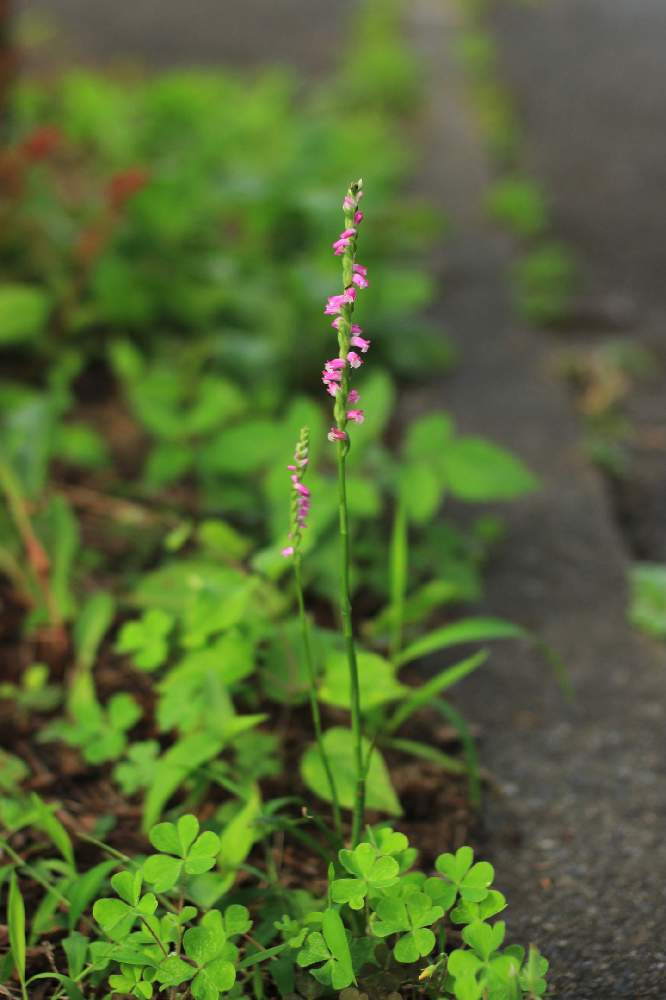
338,744
428,436
24,310
477,470
244,449
377,681
420,490
465,630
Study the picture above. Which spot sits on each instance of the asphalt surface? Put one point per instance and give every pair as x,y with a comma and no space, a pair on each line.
163,33
577,835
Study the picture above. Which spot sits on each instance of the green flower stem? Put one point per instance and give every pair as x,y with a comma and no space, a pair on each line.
348,633
340,415
312,690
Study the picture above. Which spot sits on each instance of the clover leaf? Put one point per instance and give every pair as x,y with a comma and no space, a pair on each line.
147,638
482,971
467,912
117,917
331,947
414,915
471,880
131,982
213,954
484,939
396,844
372,871
184,849
532,977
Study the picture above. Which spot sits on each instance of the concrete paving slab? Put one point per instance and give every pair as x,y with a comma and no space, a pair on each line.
577,838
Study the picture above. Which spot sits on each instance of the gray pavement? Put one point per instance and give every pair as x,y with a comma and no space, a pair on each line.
163,33
577,836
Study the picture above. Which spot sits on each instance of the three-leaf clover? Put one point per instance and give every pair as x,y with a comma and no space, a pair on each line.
117,917
372,871
414,915
147,638
183,850
331,947
532,977
131,982
466,912
208,946
396,844
470,880
481,971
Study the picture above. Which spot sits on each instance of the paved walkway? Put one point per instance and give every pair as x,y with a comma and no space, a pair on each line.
578,837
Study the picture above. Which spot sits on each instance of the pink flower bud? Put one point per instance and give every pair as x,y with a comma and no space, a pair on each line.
354,360
358,416
361,343
354,396
358,217
335,434
288,550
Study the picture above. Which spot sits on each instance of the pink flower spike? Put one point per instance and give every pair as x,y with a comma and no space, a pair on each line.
354,360
361,343
288,550
335,434
358,416
346,233
336,363
349,295
354,396
358,217
360,281
300,488
348,203
340,246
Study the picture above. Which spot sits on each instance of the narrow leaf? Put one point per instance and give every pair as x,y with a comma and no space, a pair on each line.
424,694
466,630
16,922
